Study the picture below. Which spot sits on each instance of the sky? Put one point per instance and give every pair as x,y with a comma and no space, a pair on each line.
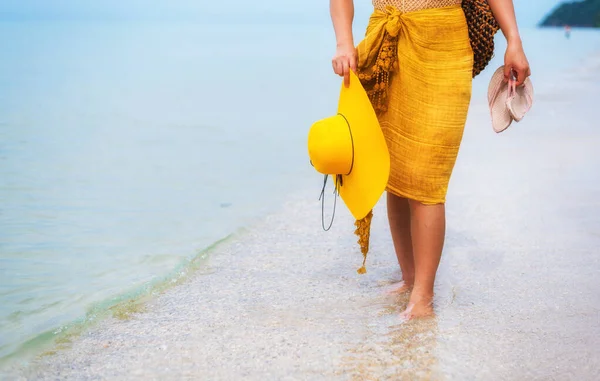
529,12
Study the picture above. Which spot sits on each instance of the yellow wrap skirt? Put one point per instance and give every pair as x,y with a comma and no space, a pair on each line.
417,69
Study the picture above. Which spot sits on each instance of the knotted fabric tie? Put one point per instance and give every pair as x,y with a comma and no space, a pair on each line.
378,55
377,60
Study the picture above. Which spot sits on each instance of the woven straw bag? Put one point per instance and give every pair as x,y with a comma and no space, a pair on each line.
482,28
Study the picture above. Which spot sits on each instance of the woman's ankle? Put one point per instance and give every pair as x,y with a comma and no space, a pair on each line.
408,275
408,281
421,294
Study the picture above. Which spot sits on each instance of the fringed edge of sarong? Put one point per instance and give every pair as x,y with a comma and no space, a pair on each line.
363,231
376,79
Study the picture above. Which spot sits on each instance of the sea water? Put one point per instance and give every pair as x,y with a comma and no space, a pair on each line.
129,147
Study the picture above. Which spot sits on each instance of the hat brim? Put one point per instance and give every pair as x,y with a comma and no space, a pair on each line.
363,187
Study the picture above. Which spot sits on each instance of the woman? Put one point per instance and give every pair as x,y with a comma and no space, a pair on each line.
422,113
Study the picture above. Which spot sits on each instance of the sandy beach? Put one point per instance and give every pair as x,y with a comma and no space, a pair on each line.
518,297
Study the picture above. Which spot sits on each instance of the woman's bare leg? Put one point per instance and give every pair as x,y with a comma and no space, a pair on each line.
400,225
428,228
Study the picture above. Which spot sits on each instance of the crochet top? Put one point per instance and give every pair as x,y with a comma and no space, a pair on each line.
414,5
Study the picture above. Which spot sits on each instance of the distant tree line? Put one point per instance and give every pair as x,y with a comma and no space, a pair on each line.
577,13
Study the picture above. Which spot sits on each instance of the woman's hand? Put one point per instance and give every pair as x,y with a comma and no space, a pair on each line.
515,60
344,60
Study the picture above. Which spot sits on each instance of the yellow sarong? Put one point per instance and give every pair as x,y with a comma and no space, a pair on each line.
417,70
426,97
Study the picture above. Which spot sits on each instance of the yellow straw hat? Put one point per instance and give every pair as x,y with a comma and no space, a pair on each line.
350,146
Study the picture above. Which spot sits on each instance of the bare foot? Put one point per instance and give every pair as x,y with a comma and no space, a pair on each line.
399,288
418,308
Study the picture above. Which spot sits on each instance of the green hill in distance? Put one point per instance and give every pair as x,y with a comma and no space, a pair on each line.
576,13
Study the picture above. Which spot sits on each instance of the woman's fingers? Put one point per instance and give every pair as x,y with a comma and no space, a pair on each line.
336,66
523,72
516,61
521,75
342,64
346,71
507,72
353,63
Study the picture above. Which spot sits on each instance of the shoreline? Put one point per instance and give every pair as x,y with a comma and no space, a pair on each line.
119,306
110,333
516,295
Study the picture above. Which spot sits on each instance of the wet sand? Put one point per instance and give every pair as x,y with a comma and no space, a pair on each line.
518,297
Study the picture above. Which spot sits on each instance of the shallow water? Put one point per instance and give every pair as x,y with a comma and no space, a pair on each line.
121,156
128,148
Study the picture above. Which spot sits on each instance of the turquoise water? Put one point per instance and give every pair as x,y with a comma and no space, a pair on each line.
126,149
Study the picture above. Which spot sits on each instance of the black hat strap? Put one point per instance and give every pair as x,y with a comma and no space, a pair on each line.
336,193
338,183
352,141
